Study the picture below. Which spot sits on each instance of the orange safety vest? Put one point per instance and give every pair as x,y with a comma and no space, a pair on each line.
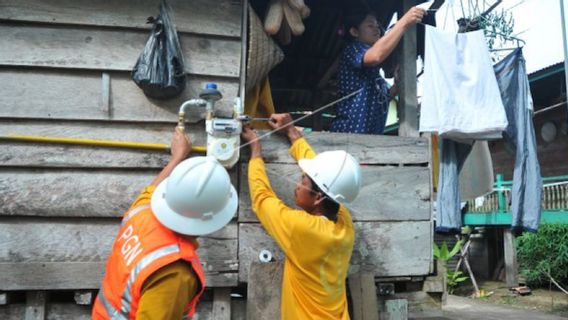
143,245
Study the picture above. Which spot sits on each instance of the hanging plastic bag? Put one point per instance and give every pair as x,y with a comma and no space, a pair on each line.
159,71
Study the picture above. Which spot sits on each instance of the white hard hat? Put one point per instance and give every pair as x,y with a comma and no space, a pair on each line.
197,198
337,174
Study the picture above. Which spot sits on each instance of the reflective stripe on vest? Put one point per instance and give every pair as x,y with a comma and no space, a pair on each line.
133,212
111,311
127,294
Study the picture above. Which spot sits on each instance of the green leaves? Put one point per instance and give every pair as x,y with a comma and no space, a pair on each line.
442,252
544,252
454,279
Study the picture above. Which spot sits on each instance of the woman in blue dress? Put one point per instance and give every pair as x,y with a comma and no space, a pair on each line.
366,112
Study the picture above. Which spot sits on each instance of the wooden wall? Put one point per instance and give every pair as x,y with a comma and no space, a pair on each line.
392,212
65,71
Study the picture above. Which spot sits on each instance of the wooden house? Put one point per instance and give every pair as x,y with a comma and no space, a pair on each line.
65,71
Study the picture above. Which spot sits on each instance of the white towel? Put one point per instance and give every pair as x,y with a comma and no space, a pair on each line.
461,97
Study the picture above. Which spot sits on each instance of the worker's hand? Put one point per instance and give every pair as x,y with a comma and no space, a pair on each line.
413,16
181,145
284,123
250,137
281,122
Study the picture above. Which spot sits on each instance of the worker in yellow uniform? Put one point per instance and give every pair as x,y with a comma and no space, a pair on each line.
316,239
153,271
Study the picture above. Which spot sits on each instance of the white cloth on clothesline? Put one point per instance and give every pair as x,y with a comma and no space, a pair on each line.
461,97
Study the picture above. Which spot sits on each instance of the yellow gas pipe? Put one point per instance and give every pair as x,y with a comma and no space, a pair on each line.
95,142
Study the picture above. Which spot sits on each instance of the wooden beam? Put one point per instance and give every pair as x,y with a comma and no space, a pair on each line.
511,267
193,16
72,311
408,106
222,303
368,149
80,94
73,253
387,193
386,249
264,290
35,305
108,49
364,296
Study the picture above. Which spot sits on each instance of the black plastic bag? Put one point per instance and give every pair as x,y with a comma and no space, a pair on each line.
159,70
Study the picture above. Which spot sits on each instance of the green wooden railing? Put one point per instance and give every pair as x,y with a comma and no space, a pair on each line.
495,209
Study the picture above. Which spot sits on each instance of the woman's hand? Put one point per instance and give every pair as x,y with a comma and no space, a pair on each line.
413,16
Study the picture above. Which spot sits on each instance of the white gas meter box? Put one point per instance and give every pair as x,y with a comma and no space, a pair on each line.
223,134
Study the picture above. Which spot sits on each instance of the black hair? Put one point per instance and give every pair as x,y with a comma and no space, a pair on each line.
354,20
329,206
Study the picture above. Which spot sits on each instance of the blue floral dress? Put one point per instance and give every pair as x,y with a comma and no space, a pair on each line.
367,111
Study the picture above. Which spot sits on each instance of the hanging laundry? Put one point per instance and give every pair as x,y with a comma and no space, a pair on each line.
461,96
448,207
476,176
527,181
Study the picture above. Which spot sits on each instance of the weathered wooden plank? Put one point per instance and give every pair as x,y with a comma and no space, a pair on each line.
195,16
52,155
109,49
387,193
63,254
368,149
364,296
222,303
35,305
71,193
70,311
386,249
136,132
73,94
264,290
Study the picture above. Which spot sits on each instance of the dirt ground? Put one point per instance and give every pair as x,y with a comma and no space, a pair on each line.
550,301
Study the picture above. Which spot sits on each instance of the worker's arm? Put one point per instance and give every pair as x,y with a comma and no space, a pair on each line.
181,147
276,218
386,44
300,149
167,292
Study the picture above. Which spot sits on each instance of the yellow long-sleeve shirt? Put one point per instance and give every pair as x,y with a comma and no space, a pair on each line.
317,250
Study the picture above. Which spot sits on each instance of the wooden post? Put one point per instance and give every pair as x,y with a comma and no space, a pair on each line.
511,269
221,304
35,305
364,297
408,106
264,290
105,96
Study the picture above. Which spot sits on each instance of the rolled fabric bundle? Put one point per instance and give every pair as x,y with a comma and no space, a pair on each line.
274,16
294,19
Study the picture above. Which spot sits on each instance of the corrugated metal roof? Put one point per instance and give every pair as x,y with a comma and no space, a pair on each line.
546,71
